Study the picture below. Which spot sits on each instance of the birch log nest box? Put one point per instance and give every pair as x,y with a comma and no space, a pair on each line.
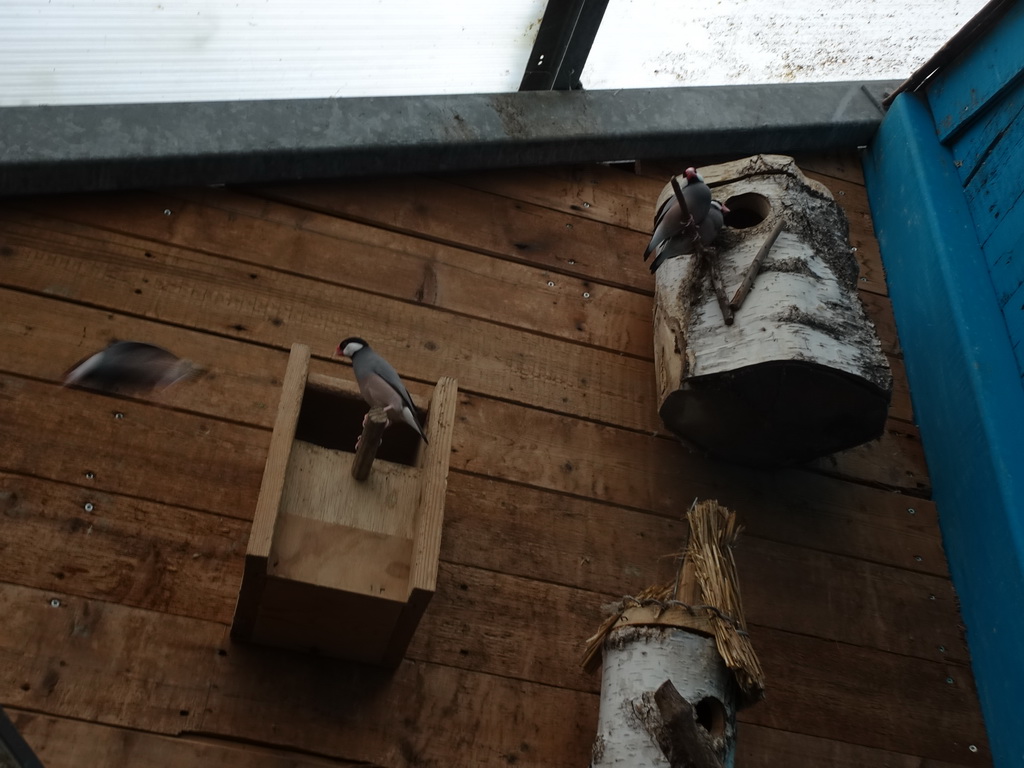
799,373
336,566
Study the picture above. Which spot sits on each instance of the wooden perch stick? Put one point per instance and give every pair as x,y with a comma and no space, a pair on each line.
684,743
755,267
369,441
692,231
719,286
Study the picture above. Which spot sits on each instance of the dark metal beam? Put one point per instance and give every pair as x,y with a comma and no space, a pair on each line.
563,44
14,752
58,149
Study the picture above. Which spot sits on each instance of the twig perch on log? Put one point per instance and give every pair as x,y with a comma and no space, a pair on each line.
692,231
684,743
755,267
366,449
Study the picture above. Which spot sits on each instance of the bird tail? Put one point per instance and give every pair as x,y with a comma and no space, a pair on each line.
183,370
410,418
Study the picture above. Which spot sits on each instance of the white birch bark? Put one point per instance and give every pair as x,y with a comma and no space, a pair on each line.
803,315
636,661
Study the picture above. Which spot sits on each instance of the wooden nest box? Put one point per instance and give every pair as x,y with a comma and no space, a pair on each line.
335,566
798,372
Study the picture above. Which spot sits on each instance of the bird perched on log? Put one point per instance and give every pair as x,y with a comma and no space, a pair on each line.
379,383
130,367
683,244
669,221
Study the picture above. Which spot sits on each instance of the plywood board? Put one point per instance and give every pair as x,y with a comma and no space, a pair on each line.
96,544
63,743
185,287
242,690
447,213
540,371
547,451
254,230
176,457
563,495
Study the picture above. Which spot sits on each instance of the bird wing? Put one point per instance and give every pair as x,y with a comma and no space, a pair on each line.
381,386
668,222
382,368
128,365
698,199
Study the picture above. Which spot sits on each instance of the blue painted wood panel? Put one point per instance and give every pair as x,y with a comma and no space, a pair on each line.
1004,253
1013,313
967,395
997,185
972,147
960,92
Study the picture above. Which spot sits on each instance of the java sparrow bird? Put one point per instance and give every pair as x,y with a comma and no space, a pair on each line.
130,367
668,222
682,244
379,383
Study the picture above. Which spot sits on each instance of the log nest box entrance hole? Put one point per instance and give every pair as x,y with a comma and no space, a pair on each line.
333,565
800,372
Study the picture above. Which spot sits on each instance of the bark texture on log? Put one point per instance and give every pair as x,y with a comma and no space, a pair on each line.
800,373
637,663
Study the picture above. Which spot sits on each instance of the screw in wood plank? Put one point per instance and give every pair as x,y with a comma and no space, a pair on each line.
551,284
972,748
55,603
911,511
168,211
89,475
88,507
118,415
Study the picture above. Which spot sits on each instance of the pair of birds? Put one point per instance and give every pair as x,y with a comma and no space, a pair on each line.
135,367
670,237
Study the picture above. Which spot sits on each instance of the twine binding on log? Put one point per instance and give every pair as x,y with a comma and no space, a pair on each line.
709,558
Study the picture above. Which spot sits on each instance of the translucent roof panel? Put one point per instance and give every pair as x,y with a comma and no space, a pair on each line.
660,43
126,51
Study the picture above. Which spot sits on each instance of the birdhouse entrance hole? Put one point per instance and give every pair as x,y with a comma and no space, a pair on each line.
333,419
747,210
333,565
711,716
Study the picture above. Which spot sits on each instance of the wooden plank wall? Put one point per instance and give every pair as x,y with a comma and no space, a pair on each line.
125,520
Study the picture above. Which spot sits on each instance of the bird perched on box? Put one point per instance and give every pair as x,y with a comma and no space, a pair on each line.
130,367
379,383
683,244
669,221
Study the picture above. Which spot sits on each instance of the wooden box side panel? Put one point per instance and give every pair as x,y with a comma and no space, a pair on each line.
434,467
319,485
341,557
269,500
322,620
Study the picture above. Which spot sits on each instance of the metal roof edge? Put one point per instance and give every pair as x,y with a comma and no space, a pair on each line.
49,149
